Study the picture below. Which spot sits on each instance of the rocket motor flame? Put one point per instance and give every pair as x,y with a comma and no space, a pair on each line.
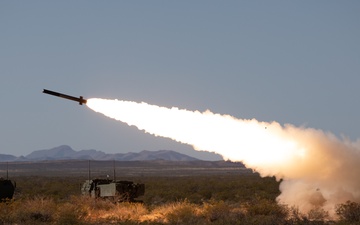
318,169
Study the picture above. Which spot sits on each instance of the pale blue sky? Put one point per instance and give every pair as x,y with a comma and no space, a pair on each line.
294,62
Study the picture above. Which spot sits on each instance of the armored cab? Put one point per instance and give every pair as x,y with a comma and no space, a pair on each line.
118,191
7,189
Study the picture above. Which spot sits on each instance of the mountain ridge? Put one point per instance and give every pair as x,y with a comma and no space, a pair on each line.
65,152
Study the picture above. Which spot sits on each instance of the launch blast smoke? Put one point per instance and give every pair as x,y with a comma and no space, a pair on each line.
318,170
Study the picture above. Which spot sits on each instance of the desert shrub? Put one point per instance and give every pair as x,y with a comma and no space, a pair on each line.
84,209
319,215
92,204
295,217
265,220
183,213
162,190
197,189
53,187
349,212
122,212
264,211
216,210
220,212
130,211
69,213
36,210
7,211
262,206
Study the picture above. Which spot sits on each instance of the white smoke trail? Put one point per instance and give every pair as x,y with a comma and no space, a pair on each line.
317,168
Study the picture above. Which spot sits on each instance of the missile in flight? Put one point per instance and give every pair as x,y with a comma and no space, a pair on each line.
80,100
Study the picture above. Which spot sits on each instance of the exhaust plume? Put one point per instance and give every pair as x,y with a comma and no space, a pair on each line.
317,169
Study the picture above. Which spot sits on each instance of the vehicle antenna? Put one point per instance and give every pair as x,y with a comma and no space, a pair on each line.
114,171
89,169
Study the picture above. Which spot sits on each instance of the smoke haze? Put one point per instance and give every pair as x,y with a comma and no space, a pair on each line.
317,168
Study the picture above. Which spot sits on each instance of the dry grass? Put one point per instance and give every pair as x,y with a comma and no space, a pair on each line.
230,200
84,210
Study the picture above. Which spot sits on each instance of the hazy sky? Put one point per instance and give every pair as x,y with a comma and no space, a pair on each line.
294,62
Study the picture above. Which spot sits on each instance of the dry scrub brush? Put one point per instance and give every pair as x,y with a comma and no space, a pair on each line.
84,210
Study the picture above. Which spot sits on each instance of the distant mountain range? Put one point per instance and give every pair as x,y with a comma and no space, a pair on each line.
65,152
